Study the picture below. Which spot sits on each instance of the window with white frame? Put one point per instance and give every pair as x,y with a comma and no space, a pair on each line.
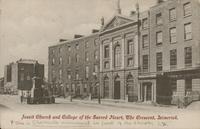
144,23
86,44
60,60
159,61
187,9
77,75
172,32
130,46
130,61
173,58
86,56
172,14
87,72
188,31
96,54
145,42
96,42
159,38
159,18
60,74
106,64
53,61
117,56
69,74
188,56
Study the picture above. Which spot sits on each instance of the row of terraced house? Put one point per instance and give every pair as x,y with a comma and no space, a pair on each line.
151,56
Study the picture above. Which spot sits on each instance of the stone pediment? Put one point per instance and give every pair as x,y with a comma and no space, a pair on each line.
116,21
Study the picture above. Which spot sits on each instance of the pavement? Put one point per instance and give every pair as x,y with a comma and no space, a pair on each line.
13,102
121,104
194,106
78,107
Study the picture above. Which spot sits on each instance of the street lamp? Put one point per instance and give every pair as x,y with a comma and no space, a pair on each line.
70,92
99,93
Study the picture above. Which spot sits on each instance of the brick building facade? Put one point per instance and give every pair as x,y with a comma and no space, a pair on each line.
74,66
170,56
18,76
152,56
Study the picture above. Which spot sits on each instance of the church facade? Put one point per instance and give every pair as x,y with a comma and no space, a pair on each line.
119,59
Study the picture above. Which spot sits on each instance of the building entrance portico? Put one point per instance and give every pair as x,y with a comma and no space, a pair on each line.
147,91
77,90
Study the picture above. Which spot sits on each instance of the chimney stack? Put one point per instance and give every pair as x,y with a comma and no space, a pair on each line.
76,36
160,1
62,40
95,31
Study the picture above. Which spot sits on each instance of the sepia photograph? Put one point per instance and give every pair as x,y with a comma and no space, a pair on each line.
99,64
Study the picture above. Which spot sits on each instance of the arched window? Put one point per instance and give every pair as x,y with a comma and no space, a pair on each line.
117,58
77,58
60,60
106,87
117,85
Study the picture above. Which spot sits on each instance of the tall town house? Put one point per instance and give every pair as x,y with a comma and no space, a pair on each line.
18,76
151,56
170,52
74,66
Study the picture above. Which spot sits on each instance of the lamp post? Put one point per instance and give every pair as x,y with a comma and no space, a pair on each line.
70,92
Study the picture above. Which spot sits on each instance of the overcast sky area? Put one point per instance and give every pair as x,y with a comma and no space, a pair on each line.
28,27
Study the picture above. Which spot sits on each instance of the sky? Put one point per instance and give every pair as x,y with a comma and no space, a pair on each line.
29,27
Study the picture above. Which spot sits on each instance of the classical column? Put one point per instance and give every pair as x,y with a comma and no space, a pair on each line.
145,93
154,89
111,51
101,56
136,51
122,51
139,90
152,92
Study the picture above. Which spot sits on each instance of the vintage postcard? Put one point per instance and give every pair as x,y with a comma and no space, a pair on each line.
99,64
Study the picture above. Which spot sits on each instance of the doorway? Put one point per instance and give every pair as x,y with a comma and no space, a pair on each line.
77,91
117,89
147,91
